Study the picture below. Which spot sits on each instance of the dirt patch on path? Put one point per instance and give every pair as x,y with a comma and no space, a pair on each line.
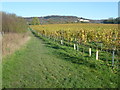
12,42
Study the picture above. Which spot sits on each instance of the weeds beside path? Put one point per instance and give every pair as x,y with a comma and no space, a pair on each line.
13,41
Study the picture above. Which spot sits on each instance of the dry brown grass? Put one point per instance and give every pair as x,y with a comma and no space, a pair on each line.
12,42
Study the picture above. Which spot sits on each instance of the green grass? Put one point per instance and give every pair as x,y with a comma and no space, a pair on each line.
45,64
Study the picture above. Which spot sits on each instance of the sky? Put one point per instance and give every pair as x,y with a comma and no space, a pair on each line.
90,10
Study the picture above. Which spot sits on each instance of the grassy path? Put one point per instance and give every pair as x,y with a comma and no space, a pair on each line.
34,66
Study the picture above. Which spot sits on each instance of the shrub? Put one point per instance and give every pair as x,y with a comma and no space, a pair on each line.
13,23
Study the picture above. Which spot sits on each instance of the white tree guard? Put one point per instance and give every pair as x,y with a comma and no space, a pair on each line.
74,47
62,42
97,55
90,52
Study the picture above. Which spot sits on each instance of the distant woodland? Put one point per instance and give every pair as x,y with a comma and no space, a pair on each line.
112,21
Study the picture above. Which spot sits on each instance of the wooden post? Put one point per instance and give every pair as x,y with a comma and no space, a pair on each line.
97,55
77,47
74,47
90,52
113,57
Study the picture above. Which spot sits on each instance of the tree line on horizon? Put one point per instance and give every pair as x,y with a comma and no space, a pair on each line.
112,21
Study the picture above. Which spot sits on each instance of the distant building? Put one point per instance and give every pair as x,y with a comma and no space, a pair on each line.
83,20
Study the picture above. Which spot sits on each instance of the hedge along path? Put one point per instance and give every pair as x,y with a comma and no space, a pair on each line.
34,66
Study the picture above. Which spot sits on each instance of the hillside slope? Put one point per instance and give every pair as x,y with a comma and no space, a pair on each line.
56,19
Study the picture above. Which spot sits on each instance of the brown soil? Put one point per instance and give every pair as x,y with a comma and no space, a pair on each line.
12,42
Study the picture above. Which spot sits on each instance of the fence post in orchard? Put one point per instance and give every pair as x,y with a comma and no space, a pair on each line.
101,46
114,48
61,42
74,47
54,39
96,54
77,47
90,52
113,57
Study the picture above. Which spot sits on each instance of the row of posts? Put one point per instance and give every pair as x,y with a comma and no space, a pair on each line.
90,52
76,47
